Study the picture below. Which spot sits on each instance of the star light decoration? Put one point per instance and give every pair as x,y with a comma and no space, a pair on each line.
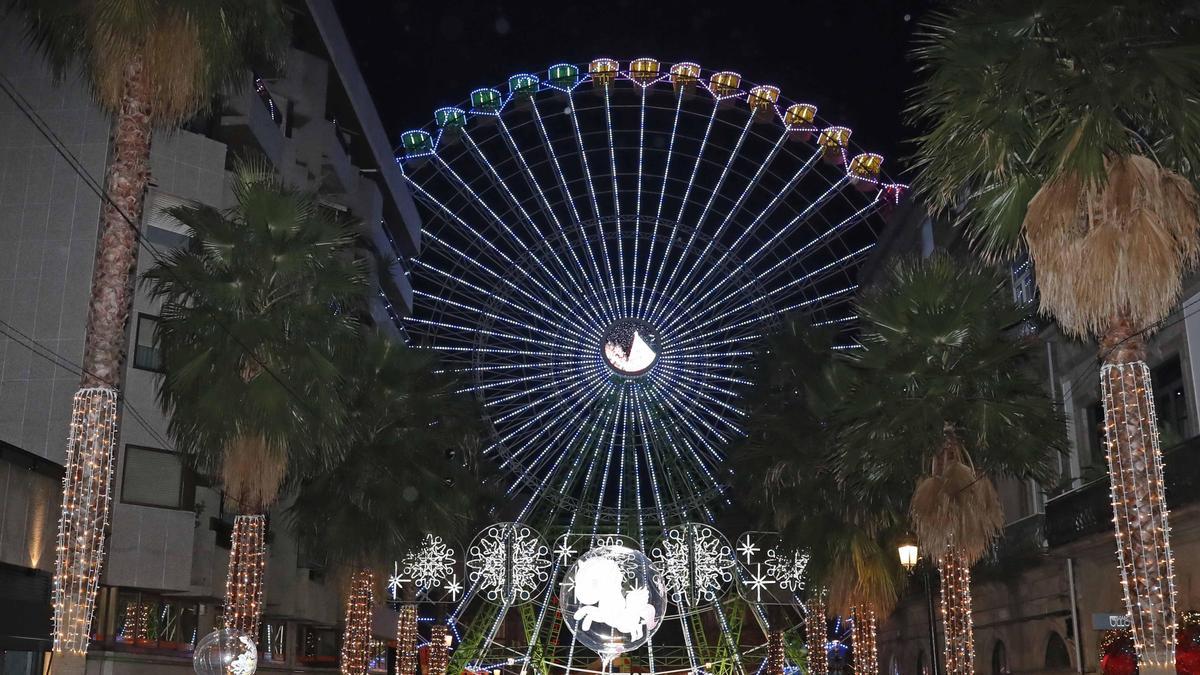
774,577
696,563
508,562
430,566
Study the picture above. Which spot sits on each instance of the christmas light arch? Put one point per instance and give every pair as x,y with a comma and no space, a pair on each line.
603,247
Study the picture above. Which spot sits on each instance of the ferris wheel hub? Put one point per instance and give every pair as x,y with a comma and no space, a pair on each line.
630,347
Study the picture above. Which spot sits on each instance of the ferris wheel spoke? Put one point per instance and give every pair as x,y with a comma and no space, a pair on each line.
529,221
662,194
574,338
733,210
666,290
687,193
634,291
548,145
568,402
477,264
492,333
645,421
690,410
699,387
585,276
806,279
526,378
623,288
613,290
612,440
704,373
856,217
694,460
541,387
498,298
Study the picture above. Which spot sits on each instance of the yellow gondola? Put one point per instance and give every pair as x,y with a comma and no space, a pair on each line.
645,69
833,142
762,100
685,75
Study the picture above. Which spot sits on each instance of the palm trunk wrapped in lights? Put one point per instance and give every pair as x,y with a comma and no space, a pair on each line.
406,641
775,647
815,635
356,641
439,652
863,635
244,580
956,612
1138,499
85,510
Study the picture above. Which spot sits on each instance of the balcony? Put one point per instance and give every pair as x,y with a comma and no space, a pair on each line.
252,119
1088,509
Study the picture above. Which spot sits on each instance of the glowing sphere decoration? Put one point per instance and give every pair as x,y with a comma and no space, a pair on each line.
613,600
225,652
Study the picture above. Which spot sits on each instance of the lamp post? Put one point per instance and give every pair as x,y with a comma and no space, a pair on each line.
909,555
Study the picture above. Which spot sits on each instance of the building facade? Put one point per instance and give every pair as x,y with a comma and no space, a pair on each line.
169,539
1050,591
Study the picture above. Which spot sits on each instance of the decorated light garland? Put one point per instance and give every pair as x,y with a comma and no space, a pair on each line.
866,654
956,613
774,652
87,485
815,633
244,581
356,641
439,651
406,641
1140,512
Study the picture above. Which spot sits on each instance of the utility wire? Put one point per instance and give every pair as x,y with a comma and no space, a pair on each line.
59,146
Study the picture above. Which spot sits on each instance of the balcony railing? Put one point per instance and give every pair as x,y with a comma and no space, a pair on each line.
1088,509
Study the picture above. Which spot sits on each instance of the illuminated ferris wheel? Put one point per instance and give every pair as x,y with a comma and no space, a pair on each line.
603,247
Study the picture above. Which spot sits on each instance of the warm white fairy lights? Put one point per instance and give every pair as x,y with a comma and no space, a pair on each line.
406,641
815,633
1140,513
244,580
775,645
439,650
356,639
957,623
87,485
863,634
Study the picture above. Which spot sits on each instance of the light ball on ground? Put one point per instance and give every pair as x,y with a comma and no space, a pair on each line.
225,652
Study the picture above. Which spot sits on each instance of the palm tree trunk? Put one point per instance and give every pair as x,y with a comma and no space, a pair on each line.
815,635
1135,470
863,635
406,641
956,612
356,640
92,439
774,652
244,580
439,655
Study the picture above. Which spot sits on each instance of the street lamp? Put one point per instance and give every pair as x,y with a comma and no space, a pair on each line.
908,552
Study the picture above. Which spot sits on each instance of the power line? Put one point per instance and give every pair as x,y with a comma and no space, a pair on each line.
59,146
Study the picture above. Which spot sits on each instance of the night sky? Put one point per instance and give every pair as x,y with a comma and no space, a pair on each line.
845,56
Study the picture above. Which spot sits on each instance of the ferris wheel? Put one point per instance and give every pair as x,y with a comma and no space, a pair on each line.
603,247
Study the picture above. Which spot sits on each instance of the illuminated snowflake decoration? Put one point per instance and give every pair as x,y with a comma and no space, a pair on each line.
696,563
508,562
758,582
787,568
429,565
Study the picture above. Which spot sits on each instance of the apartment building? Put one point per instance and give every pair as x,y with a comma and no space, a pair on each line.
169,539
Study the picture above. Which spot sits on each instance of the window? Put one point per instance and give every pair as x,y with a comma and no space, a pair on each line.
999,659
272,641
1170,402
146,354
319,646
922,669
149,620
1094,463
156,478
1056,653
377,660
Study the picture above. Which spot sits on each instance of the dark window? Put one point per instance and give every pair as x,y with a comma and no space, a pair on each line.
1056,653
1095,463
146,354
149,620
922,669
999,659
155,477
1170,402
319,646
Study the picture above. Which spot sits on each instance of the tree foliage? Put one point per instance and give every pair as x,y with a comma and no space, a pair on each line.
251,316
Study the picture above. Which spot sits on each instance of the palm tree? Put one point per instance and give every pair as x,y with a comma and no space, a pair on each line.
1072,129
251,314
942,397
790,478
412,469
150,63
